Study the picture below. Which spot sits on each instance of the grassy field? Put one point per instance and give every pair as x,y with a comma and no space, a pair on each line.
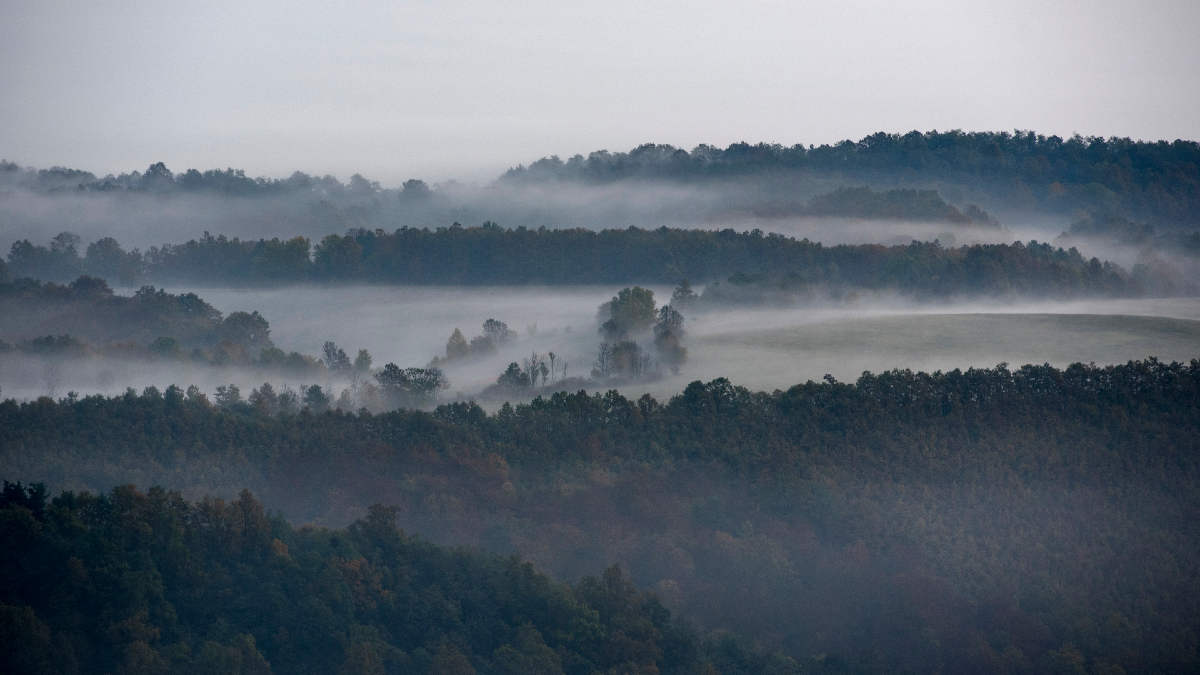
763,349
845,346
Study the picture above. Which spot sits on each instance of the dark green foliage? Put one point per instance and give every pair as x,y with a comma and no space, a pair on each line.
248,329
482,345
490,254
409,387
159,179
1158,180
88,309
668,338
414,190
63,345
165,346
227,396
61,262
315,399
631,312
513,379
295,363
683,298
336,360
863,202
496,331
147,582
338,257
990,520
458,348
210,258
101,322
107,260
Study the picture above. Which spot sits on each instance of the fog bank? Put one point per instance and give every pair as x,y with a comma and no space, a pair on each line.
762,349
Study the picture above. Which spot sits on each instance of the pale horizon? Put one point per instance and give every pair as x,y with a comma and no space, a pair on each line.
465,90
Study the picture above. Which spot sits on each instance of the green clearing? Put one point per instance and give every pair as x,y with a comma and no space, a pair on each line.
779,357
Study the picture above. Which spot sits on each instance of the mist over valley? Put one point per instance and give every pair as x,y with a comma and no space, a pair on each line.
918,403
537,338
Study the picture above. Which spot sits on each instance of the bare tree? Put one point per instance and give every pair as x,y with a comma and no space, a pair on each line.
535,367
52,376
356,382
602,367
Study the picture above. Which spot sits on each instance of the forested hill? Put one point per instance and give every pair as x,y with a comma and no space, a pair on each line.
127,582
1157,181
989,521
1153,181
490,254
493,255
158,179
90,310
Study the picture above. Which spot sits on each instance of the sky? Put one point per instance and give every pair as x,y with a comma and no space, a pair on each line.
464,89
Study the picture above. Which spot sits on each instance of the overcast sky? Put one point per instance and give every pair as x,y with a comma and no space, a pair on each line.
467,88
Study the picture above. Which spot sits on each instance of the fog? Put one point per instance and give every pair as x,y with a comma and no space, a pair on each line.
462,86
1004,530
762,349
38,205
410,325
141,219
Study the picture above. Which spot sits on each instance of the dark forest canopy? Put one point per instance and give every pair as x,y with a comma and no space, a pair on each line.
996,520
85,318
158,179
127,582
493,255
1157,180
89,309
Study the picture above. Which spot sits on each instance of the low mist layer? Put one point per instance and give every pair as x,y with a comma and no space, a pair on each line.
763,347
1037,186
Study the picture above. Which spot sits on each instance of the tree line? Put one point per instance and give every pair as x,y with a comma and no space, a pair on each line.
1158,181
153,325
229,182
1154,180
1027,520
491,254
150,324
